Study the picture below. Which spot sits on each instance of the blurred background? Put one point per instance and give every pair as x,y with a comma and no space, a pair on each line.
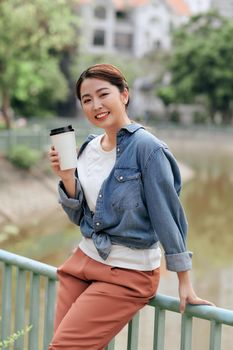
177,58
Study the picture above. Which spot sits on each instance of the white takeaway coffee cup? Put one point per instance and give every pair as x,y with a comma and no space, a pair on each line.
63,139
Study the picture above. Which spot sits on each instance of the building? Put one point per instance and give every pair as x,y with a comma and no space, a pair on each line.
199,6
133,27
224,7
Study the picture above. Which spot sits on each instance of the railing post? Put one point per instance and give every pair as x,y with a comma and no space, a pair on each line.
20,306
34,311
133,333
186,332
111,345
159,329
215,335
49,312
6,302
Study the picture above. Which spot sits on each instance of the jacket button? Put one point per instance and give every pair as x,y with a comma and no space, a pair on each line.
98,223
118,149
100,195
121,178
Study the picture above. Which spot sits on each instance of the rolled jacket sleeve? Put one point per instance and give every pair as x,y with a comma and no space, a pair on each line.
162,184
179,262
72,206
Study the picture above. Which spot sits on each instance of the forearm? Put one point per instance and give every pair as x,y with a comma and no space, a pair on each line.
185,283
184,277
70,186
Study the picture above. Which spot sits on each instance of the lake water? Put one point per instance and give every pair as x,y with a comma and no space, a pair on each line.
207,199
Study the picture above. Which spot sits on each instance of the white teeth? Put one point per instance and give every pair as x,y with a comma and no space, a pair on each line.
101,115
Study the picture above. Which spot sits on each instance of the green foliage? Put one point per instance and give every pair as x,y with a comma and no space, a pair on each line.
175,116
2,126
49,87
33,36
200,117
23,157
167,94
130,68
202,65
8,231
12,338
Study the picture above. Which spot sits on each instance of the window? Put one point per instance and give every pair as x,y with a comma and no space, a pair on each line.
123,41
154,20
122,15
171,27
100,12
157,45
99,37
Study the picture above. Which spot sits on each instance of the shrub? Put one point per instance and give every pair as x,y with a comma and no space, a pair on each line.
200,117
175,116
12,338
2,126
23,157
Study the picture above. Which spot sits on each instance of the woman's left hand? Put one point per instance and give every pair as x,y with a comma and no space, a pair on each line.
187,294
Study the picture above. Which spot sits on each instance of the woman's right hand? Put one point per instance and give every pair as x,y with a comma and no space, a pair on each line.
65,175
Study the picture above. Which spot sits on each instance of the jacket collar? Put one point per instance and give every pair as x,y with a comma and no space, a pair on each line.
131,128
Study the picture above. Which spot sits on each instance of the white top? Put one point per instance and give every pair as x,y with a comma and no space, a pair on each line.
94,166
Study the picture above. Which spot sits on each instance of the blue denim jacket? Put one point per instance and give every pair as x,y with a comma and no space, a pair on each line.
138,204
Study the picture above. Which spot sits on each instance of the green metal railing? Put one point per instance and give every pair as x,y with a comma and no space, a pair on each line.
34,297
34,285
38,138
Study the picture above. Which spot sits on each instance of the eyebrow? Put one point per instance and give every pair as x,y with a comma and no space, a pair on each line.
100,89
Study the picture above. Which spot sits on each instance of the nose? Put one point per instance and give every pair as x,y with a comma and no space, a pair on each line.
97,104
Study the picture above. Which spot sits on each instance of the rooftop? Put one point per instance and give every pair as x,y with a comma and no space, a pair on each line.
179,7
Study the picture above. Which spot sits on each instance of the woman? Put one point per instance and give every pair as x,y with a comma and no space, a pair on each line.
124,196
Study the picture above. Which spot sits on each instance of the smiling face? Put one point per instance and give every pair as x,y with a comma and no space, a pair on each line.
103,104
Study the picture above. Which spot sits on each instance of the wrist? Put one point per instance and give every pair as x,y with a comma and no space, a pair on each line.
68,181
68,178
183,276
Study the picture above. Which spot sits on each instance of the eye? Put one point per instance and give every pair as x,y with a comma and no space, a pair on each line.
86,100
104,94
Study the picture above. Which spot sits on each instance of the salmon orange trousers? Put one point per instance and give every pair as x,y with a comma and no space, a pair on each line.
95,301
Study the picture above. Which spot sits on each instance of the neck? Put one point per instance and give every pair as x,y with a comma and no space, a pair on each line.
109,140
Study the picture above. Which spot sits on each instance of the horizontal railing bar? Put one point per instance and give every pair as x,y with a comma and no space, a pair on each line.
162,301
201,311
28,264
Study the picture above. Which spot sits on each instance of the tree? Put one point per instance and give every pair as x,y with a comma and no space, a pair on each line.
33,34
201,64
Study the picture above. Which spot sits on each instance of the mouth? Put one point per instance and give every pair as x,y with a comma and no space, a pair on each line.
102,116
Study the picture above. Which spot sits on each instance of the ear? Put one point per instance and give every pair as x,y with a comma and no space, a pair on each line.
125,96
